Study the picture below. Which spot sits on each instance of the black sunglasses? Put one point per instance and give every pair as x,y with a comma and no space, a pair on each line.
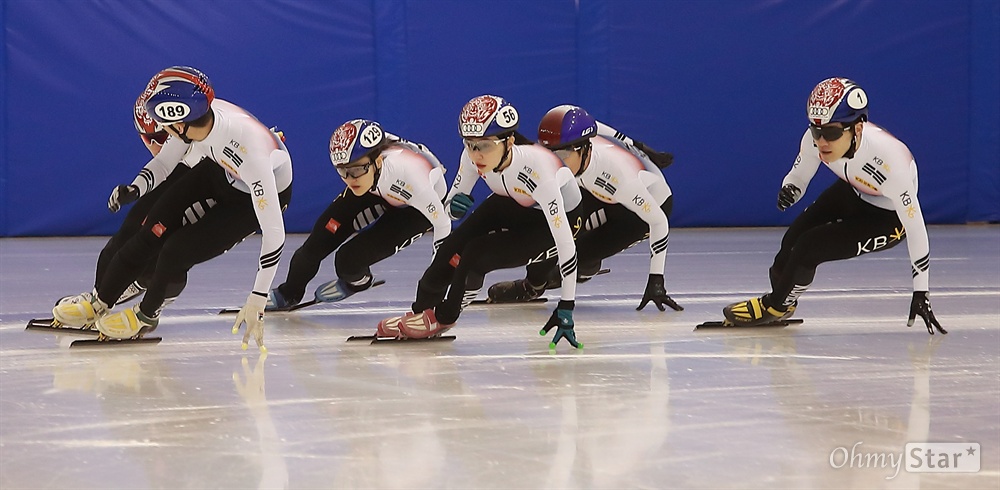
354,171
829,133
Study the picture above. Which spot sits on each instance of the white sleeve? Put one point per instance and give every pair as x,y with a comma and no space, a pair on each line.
637,198
259,177
550,200
805,166
159,167
899,187
427,202
465,181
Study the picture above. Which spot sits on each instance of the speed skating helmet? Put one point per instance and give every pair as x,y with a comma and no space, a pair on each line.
487,115
355,139
181,94
837,100
565,126
144,124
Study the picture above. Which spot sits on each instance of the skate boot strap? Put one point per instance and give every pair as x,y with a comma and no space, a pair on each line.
339,289
421,325
126,324
80,313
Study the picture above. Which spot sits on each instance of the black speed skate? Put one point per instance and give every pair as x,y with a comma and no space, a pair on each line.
753,313
518,291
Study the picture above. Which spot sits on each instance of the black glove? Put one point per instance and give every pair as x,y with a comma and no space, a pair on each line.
459,205
656,293
787,196
661,159
563,319
122,195
921,305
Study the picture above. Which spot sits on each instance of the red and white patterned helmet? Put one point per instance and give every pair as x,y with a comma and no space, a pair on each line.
355,139
837,100
487,115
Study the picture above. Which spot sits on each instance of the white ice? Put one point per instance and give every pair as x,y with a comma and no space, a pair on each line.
648,403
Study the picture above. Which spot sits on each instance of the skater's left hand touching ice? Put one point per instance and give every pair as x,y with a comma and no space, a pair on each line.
921,305
656,293
562,319
253,314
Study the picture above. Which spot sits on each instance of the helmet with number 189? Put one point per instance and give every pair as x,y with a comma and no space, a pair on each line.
837,100
487,115
181,94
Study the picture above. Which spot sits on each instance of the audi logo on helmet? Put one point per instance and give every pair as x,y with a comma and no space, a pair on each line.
470,128
338,156
817,111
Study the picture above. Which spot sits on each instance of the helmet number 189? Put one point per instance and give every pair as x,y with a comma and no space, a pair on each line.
172,111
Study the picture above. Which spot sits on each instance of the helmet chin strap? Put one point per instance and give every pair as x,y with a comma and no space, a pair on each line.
183,134
854,144
584,160
506,153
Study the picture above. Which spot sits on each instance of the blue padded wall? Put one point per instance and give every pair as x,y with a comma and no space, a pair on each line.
722,84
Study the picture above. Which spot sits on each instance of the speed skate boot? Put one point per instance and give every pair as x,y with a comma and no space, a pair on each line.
85,310
339,289
131,292
388,328
422,325
127,324
754,312
519,291
277,301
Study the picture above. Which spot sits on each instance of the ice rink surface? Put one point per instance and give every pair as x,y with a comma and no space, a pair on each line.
648,403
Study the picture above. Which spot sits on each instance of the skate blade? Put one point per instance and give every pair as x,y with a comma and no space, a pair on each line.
488,301
295,307
727,324
50,325
373,339
117,343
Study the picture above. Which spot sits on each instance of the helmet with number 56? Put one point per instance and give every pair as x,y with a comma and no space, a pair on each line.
487,115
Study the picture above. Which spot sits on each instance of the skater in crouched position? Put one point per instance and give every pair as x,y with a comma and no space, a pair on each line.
872,207
524,217
393,196
245,169
626,199
153,138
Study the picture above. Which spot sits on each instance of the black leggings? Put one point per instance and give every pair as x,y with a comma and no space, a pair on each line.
499,234
602,231
838,225
176,246
133,222
382,231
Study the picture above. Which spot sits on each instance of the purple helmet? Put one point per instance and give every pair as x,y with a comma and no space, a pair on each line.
837,100
487,115
180,94
355,139
564,126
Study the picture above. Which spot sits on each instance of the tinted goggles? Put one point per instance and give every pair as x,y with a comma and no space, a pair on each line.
354,171
829,133
564,153
157,138
482,146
